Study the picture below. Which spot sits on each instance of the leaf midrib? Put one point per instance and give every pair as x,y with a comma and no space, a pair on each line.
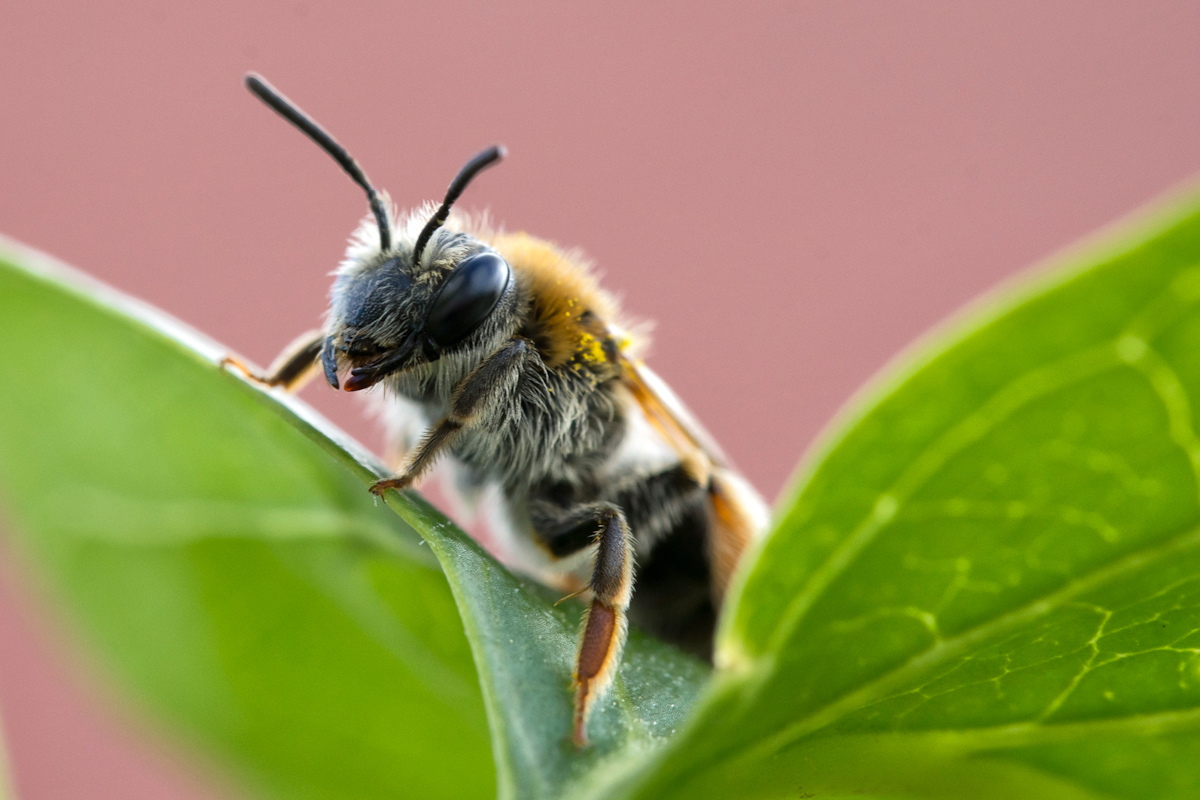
1024,734
958,645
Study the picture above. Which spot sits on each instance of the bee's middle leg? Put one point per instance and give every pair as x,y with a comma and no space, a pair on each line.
479,395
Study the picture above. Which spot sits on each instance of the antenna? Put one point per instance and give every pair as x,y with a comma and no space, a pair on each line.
292,113
476,165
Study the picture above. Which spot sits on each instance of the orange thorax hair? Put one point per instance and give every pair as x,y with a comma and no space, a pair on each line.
571,315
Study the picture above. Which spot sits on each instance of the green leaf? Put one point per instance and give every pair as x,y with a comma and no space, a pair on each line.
224,565
525,650
216,544
987,583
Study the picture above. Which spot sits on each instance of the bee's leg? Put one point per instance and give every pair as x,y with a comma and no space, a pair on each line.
604,626
479,395
653,504
291,369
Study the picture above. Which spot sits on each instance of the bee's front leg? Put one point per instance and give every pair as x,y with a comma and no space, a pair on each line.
479,394
604,625
291,369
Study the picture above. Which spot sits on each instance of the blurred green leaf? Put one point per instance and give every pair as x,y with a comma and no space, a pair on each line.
214,547
221,562
988,581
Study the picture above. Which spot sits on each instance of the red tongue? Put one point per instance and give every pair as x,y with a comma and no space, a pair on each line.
370,374
356,382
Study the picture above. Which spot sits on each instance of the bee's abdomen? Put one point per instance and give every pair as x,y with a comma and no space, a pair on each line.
674,598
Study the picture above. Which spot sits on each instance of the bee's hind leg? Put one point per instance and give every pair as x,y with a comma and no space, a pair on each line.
291,369
604,626
654,505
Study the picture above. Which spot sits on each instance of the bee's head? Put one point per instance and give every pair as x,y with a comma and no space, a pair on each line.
395,311
431,293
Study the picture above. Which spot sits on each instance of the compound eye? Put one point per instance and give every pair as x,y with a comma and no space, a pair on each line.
466,298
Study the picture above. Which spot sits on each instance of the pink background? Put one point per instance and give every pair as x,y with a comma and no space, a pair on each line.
791,191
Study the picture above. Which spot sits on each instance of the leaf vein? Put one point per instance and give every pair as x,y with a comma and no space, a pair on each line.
957,646
998,408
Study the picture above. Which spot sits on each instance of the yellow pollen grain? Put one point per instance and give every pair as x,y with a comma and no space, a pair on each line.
590,349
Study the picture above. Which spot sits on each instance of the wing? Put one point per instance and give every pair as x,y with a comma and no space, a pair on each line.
737,514
667,413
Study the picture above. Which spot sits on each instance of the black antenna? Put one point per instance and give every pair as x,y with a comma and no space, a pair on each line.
292,113
476,165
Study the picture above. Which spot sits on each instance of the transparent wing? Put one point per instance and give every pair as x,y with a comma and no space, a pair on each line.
669,416
737,513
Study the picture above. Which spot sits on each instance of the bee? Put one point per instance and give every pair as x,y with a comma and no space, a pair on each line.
504,350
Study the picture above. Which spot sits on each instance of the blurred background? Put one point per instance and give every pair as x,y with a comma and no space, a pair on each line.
791,191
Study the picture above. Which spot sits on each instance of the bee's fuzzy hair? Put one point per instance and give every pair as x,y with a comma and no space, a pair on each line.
362,250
